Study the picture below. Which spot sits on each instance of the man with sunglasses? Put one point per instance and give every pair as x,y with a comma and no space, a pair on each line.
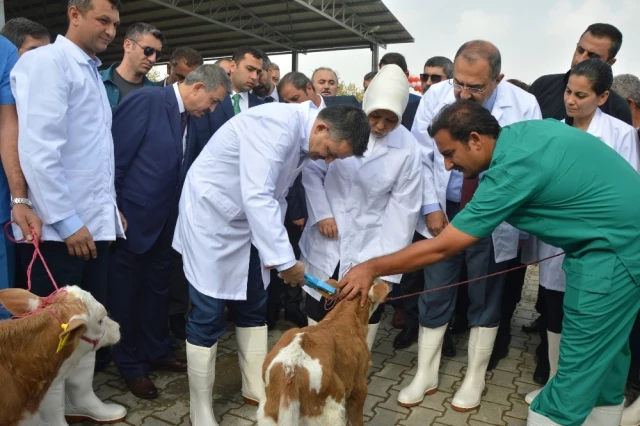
142,49
476,77
436,69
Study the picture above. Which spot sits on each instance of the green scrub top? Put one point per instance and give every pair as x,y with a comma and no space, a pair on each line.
570,190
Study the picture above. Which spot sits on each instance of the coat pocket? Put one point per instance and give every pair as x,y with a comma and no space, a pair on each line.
82,188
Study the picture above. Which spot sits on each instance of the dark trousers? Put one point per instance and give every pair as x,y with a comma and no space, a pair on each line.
413,282
634,342
90,275
280,293
512,292
179,287
485,296
138,299
206,324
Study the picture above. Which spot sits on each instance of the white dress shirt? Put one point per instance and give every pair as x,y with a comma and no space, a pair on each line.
244,100
182,109
65,143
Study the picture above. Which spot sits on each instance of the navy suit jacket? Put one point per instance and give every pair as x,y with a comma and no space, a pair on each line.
210,123
150,167
341,100
410,111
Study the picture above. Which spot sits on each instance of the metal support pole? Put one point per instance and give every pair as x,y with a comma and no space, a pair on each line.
2,13
375,57
294,60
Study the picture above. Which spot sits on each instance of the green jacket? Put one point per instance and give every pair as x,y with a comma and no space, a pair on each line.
113,93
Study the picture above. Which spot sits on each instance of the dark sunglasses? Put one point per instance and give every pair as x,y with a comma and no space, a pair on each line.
149,51
435,78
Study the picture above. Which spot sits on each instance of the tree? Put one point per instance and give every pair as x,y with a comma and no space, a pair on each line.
351,89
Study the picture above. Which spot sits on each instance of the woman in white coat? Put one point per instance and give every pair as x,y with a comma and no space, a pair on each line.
360,208
587,88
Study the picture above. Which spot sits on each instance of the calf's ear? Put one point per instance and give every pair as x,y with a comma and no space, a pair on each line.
378,291
71,331
19,301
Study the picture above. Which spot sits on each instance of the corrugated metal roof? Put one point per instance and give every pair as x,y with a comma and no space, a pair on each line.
275,26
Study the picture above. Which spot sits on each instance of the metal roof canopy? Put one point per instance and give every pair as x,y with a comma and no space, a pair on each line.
216,27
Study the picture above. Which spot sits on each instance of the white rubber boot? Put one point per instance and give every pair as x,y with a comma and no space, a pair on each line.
426,380
311,322
372,330
631,414
252,350
51,410
481,341
201,369
535,419
81,403
554,357
605,416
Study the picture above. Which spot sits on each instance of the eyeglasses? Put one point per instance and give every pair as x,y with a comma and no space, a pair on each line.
148,51
435,78
460,87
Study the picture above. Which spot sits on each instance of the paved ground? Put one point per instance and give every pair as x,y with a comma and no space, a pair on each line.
502,404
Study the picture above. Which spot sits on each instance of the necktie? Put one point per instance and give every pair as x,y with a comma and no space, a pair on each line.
184,119
236,103
469,187
269,99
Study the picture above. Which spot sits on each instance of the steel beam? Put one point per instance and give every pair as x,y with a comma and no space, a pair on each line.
229,14
336,12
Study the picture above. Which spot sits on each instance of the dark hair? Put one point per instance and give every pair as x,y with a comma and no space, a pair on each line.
17,29
84,6
597,72
463,117
521,84
441,62
396,59
139,29
480,49
189,56
350,123
369,76
297,79
240,52
610,32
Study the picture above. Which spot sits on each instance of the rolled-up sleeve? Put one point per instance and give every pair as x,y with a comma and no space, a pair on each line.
500,193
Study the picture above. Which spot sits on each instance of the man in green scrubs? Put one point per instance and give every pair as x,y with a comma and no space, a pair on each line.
572,191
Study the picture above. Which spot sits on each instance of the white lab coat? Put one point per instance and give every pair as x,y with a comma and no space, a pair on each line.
374,200
234,196
624,140
65,143
512,105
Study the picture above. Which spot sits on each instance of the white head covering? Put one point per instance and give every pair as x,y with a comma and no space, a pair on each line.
388,90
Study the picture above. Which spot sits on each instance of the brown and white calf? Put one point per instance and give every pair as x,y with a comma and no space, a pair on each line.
46,345
317,375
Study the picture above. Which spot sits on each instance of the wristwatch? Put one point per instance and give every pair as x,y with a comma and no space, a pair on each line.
25,201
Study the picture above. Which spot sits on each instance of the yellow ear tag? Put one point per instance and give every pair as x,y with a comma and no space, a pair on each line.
63,340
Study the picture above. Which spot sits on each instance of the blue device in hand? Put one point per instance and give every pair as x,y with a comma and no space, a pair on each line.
317,284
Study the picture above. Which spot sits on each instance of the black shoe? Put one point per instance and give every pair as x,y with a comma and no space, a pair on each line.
532,327
406,337
297,317
273,315
541,374
457,326
448,348
177,325
500,350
